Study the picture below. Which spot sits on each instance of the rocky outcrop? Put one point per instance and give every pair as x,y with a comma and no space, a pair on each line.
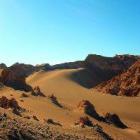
97,69
86,107
44,67
9,103
3,66
17,128
14,77
37,92
25,69
54,100
127,83
104,68
115,120
69,65
84,121
24,95
51,121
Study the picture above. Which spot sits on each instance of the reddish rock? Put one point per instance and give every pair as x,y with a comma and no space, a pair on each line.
27,117
88,108
104,68
51,121
115,120
37,92
15,78
14,104
84,121
10,103
35,118
52,97
127,83
54,100
4,102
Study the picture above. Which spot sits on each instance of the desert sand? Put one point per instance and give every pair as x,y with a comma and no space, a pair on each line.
69,92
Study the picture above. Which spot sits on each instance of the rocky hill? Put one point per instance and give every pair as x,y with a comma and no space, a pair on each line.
15,75
69,65
127,83
3,66
99,68
105,68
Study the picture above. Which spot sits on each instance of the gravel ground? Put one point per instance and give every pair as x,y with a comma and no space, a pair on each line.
19,128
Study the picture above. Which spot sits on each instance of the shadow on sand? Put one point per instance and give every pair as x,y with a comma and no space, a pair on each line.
85,78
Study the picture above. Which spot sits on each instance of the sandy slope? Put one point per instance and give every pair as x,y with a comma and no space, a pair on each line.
69,93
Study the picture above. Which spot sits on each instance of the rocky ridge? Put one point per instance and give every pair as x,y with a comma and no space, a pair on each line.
127,83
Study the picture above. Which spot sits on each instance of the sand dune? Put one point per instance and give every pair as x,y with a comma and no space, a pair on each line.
69,93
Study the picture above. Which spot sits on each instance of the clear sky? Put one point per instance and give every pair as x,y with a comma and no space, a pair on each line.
54,31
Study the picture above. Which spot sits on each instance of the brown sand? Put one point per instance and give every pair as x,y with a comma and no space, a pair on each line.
69,94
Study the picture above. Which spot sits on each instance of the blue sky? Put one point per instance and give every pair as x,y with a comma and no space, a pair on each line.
54,31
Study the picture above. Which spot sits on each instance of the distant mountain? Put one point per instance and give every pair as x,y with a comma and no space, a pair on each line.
69,65
45,67
15,75
99,69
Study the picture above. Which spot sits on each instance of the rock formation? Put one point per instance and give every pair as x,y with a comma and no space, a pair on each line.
104,68
3,66
54,100
69,65
10,103
44,67
86,107
14,77
115,120
127,83
84,121
37,92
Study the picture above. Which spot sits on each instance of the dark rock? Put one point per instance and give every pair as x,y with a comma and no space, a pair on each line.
15,78
88,108
20,135
69,65
115,120
4,102
37,92
54,100
35,118
3,116
10,103
24,95
104,135
45,67
3,66
105,68
84,121
51,121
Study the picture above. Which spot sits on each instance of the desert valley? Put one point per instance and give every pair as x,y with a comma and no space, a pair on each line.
94,99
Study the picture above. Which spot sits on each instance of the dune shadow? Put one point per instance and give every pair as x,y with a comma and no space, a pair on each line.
85,78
